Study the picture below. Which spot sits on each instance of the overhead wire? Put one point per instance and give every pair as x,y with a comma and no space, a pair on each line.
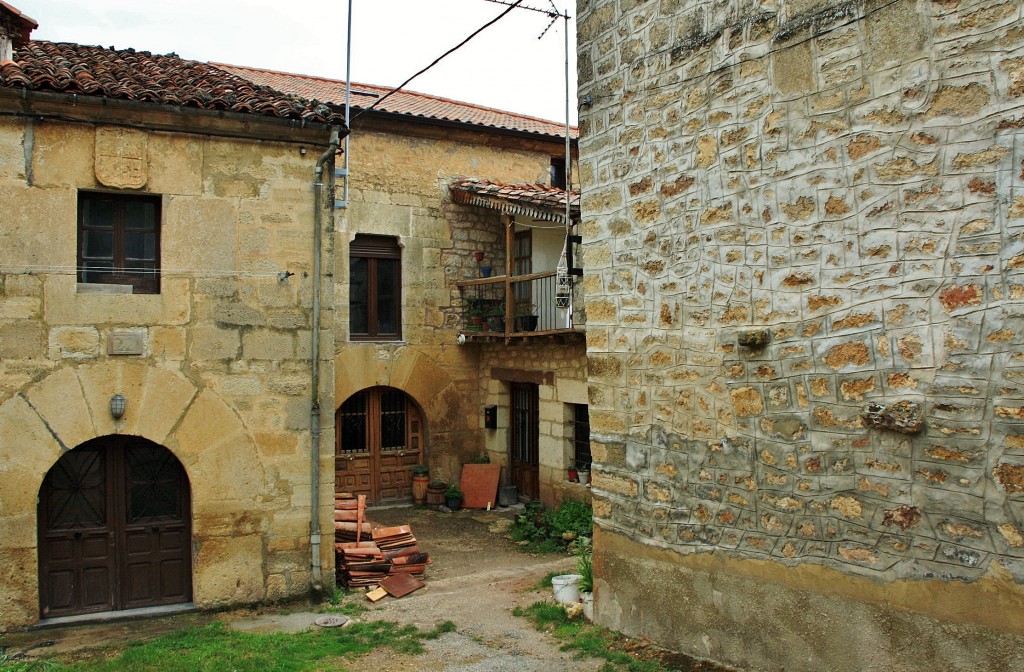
476,32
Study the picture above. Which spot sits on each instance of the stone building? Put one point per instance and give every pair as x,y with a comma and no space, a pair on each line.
433,184
183,315
802,232
157,318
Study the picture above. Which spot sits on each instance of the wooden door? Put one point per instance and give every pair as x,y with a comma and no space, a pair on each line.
524,439
114,529
379,435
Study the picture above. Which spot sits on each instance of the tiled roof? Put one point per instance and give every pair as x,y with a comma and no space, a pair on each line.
404,102
140,76
534,200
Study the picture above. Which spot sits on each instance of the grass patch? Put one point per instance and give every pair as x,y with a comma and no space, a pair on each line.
342,601
215,647
619,653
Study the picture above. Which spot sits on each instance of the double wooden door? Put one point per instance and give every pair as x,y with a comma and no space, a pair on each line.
114,529
524,439
379,439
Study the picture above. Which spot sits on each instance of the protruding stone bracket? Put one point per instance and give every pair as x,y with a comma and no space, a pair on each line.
755,340
904,417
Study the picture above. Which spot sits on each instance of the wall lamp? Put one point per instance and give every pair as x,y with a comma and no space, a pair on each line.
117,405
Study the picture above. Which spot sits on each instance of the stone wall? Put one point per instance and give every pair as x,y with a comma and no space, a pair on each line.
399,187
222,373
840,185
561,369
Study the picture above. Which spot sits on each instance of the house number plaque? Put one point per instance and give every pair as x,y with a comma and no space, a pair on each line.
124,343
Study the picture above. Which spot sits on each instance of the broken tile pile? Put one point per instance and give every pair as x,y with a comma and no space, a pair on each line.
390,556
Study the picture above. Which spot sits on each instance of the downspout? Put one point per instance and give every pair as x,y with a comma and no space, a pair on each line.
314,414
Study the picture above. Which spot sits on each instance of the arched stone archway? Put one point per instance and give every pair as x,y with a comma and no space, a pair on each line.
233,504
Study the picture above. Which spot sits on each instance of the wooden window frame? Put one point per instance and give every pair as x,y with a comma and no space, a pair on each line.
374,248
141,282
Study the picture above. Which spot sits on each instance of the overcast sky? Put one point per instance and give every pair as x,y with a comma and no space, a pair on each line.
505,67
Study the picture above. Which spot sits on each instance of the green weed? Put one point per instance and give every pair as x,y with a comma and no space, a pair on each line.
584,639
550,531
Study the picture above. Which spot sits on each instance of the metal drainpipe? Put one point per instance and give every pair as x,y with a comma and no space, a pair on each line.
314,414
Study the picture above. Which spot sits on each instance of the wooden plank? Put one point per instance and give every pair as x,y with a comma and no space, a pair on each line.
376,595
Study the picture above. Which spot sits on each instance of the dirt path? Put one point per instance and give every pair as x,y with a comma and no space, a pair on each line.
477,577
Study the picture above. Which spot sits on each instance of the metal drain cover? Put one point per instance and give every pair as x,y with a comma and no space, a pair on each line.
331,621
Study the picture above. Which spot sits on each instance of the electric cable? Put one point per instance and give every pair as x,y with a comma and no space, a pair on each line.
439,59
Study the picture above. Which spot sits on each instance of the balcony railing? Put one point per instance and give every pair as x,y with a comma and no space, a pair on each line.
520,306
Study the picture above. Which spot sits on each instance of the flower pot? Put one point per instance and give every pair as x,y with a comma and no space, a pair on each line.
435,494
584,476
419,488
527,322
496,324
453,503
485,271
588,605
573,476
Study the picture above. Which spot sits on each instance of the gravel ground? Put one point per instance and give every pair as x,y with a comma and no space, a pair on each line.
477,577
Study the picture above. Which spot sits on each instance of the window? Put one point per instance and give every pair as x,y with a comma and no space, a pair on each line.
558,172
581,436
119,240
375,284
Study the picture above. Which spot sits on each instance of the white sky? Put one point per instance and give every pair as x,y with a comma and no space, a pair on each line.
505,67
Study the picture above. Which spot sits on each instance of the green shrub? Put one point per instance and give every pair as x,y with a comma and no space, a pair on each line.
551,531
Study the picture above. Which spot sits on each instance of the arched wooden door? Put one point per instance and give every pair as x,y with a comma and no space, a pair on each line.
115,529
379,439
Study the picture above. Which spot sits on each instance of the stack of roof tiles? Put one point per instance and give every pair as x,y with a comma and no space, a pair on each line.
389,551
139,76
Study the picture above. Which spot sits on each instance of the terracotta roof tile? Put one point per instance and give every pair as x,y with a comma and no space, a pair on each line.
520,197
126,74
404,102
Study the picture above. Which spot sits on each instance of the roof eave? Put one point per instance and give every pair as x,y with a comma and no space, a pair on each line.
79,108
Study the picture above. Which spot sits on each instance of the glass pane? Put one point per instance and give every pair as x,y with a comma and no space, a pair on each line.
76,491
387,296
352,421
97,271
140,215
154,483
98,244
392,420
98,212
358,295
139,245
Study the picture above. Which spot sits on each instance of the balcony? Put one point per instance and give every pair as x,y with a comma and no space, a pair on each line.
521,302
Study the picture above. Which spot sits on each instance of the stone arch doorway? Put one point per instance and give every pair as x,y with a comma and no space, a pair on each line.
115,529
378,440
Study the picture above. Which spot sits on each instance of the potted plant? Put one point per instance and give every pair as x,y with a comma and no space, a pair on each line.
572,474
496,318
526,315
453,497
584,474
479,256
420,481
475,314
